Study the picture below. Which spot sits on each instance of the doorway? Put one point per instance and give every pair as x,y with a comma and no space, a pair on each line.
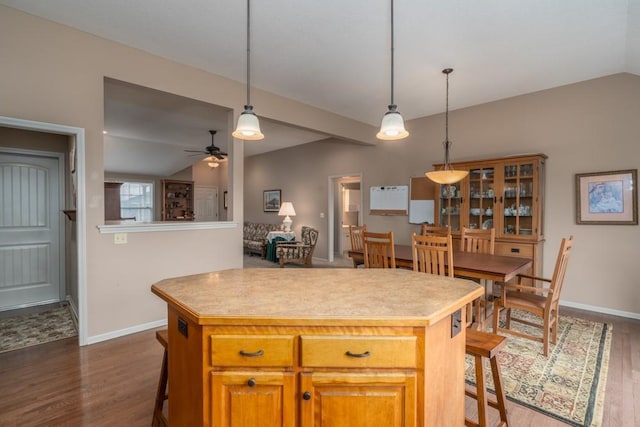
76,257
345,208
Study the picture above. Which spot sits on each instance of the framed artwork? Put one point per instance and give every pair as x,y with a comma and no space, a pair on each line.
607,197
225,200
271,200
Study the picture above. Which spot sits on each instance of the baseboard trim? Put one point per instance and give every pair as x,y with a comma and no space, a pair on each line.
598,309
127,331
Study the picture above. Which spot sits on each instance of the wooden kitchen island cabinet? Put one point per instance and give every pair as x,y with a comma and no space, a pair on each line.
316,347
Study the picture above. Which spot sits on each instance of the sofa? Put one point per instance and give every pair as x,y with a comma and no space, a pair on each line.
254,237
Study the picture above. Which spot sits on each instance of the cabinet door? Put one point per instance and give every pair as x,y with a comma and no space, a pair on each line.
520,200
249,399
450,202
331,399
482,198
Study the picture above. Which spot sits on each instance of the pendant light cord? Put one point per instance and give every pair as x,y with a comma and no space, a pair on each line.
392,53
248,51
447,143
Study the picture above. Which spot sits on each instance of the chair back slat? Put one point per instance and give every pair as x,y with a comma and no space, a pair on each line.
379,251
432,254
477,240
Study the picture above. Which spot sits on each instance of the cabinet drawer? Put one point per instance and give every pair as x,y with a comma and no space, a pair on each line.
251,350
358,352
523,250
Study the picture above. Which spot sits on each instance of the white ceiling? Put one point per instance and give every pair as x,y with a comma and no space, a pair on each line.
335,54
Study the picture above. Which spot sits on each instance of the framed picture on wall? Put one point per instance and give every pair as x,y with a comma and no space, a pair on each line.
271,200
607,197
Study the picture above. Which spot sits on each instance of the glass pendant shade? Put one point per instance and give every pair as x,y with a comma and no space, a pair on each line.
248,127
392,127
449,176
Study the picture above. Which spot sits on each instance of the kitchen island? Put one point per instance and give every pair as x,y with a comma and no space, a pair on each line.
316,347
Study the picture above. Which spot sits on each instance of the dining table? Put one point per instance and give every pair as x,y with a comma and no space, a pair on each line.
489,269
497,268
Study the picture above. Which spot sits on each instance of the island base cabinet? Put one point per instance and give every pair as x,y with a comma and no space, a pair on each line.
249,399
362,399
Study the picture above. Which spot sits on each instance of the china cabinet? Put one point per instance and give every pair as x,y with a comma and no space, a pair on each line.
177,200
502,193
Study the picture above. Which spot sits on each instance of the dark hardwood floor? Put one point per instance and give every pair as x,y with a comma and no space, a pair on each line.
113,383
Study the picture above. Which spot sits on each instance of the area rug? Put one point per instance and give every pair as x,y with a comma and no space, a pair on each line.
569,384
38,328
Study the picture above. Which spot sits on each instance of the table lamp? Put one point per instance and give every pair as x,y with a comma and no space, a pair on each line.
286,210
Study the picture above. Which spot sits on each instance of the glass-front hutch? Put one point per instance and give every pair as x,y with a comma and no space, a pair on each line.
503,193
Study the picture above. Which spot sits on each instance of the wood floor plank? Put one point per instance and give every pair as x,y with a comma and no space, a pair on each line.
113,383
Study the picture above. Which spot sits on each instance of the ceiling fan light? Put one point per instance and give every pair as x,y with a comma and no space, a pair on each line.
248,127
448,176
213,164
392,127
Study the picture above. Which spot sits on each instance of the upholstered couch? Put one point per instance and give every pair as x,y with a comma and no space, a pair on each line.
254,237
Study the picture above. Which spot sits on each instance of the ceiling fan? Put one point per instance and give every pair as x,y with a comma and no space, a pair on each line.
210,150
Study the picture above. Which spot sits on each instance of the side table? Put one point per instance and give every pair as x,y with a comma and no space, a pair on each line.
277,236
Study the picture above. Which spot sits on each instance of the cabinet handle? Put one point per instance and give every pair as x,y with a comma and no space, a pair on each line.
515,250
365,354
248,354
306,395
251,382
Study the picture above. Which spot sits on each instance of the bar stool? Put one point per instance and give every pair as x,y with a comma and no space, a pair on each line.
481,345
161,395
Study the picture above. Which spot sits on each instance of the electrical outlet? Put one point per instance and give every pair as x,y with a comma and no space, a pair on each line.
120,238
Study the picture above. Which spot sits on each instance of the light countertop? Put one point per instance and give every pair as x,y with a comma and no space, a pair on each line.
318,295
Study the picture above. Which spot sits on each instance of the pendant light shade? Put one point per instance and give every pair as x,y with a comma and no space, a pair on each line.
248,127
392,127
447,175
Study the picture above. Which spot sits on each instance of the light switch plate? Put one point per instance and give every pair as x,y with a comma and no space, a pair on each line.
120,238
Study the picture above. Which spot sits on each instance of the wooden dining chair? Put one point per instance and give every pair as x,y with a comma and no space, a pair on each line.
478,241
429,230
355,236
432,254
379,251
540,298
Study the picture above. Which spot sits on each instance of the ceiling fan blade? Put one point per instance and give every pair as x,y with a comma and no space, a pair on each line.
195,151
219,155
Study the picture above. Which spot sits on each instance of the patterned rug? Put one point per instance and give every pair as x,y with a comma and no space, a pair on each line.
568,385
38,328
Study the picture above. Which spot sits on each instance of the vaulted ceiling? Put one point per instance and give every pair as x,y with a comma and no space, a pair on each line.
335,54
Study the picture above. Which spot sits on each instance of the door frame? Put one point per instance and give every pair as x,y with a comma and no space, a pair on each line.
333,181
60,219
81,233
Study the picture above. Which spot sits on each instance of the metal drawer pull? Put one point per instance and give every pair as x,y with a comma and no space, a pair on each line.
515,250
247,354
365,354
251,382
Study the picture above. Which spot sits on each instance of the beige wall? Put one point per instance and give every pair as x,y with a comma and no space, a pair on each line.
586,127
51,73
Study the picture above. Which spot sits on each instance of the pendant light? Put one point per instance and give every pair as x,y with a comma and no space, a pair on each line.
248,127
447,175
392,127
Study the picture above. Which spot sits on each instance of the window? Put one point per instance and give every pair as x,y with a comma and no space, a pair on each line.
136,200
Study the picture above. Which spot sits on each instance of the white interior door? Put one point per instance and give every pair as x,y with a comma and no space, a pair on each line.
206,203
29,230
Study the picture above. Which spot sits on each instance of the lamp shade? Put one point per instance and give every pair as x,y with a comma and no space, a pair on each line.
392,127
286,209
248,127
448,176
